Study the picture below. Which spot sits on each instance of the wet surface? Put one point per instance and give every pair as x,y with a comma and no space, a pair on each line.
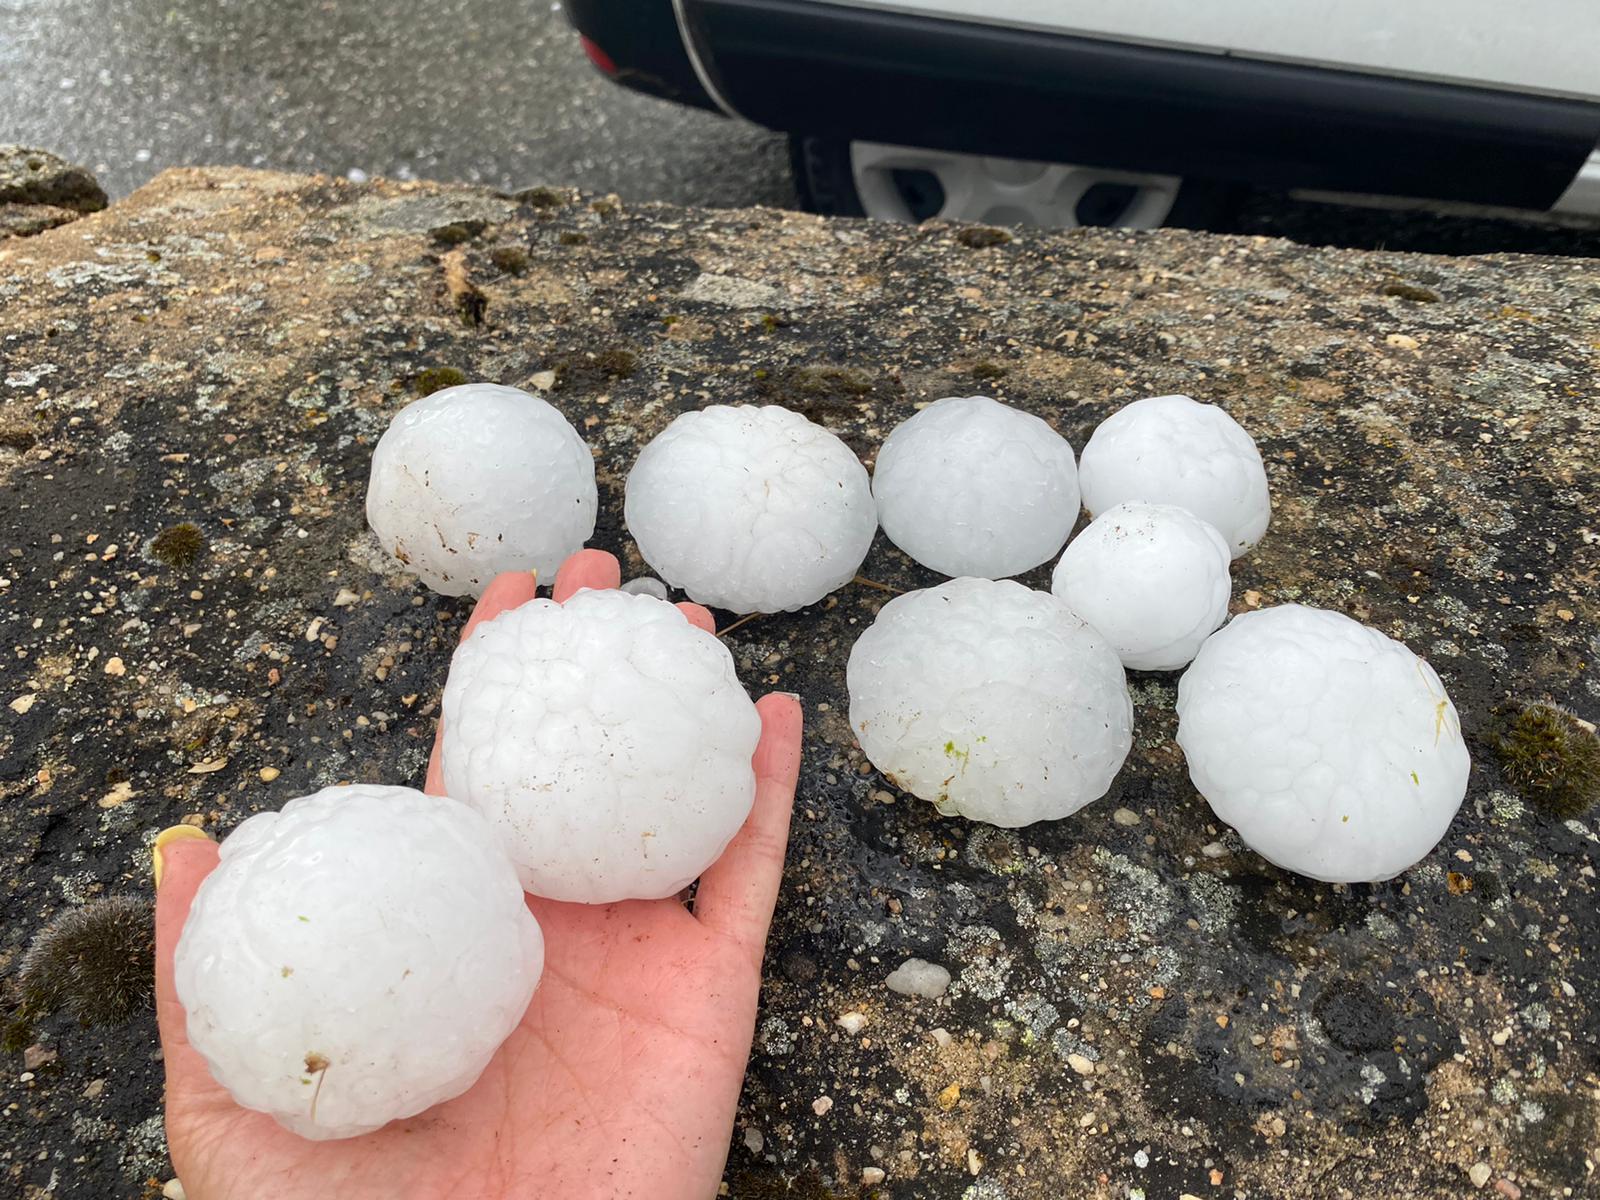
1139,1005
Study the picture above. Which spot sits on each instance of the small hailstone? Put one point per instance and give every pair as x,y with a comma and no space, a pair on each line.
646,585
751,509
1152,578
1174,450
607,739
970,486
991,700
356,958
1332,749
478,479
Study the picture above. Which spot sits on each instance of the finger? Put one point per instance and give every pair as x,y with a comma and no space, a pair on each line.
737,894
587,569
508,590
698,614
184,863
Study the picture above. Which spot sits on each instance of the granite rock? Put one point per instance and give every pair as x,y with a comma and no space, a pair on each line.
223,348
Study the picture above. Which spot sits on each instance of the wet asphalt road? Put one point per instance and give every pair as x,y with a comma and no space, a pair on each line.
489,91
492,91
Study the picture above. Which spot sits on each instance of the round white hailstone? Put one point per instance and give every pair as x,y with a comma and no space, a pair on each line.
970,486
646,585
1152,578
607,739
479,479
1332,749
991,700
356,958
751,509
1174,450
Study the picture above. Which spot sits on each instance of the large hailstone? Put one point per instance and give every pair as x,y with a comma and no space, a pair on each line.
608,741
991,700
478,479
751,509
1174,450
356,958
1152,578
1332,749
970,486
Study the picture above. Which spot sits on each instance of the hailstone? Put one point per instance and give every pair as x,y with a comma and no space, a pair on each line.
356,958
607,739
1174,450
1152,578
1332,749
970,486
992,700
478,479
751,509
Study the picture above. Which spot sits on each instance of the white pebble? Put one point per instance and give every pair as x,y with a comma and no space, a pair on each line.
479,479
1173,450
918,977
990,700
1332,749
1152,578
970,486
607,739
751,509
852,1022
356,958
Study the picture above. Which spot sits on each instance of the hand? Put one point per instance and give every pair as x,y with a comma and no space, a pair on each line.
623,1078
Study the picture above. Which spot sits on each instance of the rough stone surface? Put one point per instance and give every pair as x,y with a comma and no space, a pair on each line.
40,190
223,347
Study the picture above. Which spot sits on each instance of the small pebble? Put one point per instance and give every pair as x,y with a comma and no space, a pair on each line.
974,1161
821,1105
872,1175
346,598
753,1141
1479,1173
916,977
268,774
1141,1159
173,1190
1508,1189
1125,816
1080,1064
941,1037
1213,849
950,1097
1500,1037
852,1022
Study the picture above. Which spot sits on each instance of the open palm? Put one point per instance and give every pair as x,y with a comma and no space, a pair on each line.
623,1077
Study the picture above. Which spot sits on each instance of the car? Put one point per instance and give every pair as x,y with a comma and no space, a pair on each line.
1137,113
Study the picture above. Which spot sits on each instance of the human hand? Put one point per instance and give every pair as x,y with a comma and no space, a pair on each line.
622,1079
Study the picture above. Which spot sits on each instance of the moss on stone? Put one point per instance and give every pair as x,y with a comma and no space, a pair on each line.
436,378
987,370
1552,758
178,545
572,237
457,232
96,962
1411,291
512,260
980,237
543,197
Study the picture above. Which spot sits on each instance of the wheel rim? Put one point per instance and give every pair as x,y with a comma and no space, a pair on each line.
895,183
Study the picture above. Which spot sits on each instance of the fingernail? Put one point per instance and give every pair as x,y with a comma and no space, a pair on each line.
173,833
795,696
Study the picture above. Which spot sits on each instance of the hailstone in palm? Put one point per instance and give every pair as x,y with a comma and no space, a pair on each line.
1152,578
970,486
1332,749
607,739
992,700
478,479
751,509
1174,450
356,958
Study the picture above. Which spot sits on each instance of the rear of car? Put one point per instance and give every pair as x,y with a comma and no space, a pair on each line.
1029,110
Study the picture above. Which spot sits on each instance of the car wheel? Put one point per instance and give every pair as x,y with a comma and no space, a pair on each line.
905,183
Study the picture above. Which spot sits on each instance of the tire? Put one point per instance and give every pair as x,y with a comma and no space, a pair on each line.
904,183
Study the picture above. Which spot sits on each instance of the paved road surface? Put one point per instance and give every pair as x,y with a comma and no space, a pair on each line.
491,91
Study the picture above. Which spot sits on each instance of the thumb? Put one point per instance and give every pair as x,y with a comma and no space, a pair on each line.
183,857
